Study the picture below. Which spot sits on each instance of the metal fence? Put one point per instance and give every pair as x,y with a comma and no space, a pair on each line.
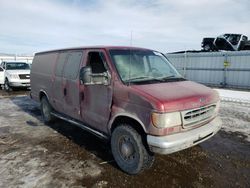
223,69
19,58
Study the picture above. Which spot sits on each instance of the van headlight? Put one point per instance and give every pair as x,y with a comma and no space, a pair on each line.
164,120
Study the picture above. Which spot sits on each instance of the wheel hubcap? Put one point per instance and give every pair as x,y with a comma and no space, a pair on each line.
207,47
127,149
6,86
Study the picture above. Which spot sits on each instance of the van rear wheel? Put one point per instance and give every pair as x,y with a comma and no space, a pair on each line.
46,110
129,151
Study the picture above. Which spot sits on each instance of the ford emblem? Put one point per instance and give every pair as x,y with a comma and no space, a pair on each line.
202,100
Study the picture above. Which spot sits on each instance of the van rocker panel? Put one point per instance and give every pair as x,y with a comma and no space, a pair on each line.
80,125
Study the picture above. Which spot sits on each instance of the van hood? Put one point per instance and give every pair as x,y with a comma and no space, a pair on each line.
27,71
177,96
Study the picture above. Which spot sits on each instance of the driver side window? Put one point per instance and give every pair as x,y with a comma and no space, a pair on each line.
96,63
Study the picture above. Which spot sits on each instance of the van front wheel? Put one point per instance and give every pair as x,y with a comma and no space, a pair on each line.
46,110
7,85
128,150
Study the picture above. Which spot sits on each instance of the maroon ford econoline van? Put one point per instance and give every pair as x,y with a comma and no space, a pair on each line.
131,96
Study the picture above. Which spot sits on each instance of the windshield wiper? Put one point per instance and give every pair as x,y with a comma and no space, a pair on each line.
137,78
143,78
172,78
160,79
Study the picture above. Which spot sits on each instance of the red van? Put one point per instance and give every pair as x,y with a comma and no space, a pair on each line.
131,96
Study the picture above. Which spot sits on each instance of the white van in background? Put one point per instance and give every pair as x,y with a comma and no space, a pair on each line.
14,75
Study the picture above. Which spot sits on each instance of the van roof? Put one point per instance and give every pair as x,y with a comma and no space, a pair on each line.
92,47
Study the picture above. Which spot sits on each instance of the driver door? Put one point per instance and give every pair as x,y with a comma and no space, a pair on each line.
96,97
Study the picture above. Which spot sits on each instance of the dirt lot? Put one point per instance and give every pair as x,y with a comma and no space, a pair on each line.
33,154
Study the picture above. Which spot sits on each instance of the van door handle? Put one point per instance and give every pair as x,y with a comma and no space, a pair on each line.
65,91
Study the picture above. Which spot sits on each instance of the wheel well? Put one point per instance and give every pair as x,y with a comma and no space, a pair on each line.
41,95
132,122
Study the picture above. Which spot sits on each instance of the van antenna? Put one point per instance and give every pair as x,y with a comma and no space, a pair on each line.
129,73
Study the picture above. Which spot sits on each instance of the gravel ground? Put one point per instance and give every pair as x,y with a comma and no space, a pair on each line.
33,154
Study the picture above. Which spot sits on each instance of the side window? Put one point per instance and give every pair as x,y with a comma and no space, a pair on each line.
60,63
72,66
96,62
1,69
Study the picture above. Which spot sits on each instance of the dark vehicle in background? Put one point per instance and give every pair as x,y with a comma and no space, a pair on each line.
133,97
227,42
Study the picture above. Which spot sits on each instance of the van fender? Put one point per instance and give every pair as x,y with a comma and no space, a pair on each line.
45,93
124,114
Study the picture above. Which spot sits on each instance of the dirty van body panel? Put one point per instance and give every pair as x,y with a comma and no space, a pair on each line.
41,75
96,100
172,97
71,98
133,101
93,114
70,83
178,96
124,105
57,83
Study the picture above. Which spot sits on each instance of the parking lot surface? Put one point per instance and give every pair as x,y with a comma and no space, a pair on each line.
33,154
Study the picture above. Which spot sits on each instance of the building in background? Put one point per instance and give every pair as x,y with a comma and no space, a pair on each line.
16,58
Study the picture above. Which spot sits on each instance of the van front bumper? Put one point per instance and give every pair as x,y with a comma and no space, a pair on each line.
19,84
176,142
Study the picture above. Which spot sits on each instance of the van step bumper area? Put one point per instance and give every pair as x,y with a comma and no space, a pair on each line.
79,124
176,142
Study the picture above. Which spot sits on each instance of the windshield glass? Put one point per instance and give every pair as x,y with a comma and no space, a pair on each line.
17,66
142,65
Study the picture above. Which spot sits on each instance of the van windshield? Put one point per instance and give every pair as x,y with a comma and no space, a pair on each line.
17,66
143,65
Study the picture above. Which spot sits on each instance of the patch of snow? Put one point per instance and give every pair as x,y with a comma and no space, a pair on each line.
235,118
234,96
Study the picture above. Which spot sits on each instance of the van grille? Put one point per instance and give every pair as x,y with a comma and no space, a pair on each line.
198,115
24,76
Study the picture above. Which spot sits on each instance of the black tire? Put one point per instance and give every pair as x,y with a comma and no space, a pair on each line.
7,86
129,151
46,110
150,160
247,47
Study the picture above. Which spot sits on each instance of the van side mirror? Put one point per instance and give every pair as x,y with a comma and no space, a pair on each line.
89,78
85,75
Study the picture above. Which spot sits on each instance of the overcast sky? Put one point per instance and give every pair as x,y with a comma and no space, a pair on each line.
29,26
